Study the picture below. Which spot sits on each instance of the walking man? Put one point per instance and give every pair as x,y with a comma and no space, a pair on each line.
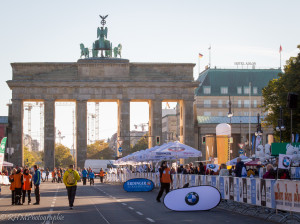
70,179
37,182
165,180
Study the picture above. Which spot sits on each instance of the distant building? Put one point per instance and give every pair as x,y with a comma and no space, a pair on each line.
169,125
244,86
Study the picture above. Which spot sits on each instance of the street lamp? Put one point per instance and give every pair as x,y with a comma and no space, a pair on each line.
280,126
258,129
230,114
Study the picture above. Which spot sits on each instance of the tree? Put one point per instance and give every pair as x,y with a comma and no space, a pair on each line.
275,95
96,150
63,157
31,157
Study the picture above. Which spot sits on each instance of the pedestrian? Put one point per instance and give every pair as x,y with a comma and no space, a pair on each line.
101,175
92,176
223,171
59,177
37,182
18,179
27,178
239,167
270,174
53,176
47,174
12,186
165,180
84,175
70,179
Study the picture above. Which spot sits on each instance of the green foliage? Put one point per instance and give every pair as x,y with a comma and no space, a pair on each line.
31,157
99,150
63,157
275,95
142,144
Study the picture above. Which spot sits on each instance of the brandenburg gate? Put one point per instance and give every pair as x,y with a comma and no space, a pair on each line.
100,79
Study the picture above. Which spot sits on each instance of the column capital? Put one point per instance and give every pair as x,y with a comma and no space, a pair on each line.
81,101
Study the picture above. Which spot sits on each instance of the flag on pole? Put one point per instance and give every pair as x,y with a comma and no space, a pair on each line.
280,49
200,55
2,150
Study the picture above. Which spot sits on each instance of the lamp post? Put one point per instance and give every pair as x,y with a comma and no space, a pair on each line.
280,126
258,132
230,114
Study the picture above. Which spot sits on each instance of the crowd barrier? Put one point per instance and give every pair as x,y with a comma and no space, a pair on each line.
276,194
4,180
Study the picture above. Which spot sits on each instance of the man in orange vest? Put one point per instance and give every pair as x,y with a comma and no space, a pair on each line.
12,186
27,178
18,179
165,180
101,175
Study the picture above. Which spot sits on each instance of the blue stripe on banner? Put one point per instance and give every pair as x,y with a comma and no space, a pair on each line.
253,191
221,183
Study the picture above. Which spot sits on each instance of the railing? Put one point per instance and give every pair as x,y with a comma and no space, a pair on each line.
274,194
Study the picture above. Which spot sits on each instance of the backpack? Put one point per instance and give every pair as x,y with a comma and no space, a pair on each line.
71,178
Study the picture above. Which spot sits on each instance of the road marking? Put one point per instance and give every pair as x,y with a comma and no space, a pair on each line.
150,220
118,200
131,208
139,213
100,213
124,204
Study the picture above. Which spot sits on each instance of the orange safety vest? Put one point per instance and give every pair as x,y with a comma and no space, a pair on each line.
12,184
27,182
166,176
101,173
53,174
17,180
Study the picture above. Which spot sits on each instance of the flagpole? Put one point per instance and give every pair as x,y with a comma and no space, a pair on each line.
209,56
198,65
280,60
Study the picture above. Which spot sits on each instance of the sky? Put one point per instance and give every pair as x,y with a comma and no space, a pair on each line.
150,31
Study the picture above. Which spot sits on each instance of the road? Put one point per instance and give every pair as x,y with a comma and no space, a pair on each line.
107,204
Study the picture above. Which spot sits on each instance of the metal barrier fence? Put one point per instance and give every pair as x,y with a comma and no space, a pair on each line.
274,194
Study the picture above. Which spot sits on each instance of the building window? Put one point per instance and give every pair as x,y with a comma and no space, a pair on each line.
206,103
247,103
224,90
246,90
207,113
254,103
239,103
254,90
246,113
239,90
206,90
220,103
220,113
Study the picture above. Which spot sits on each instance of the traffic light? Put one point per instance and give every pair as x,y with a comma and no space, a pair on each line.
203,139
157,140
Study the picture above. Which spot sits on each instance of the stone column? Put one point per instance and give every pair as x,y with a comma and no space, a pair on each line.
81,133
49,134
17,132
155,122
187,122
123,124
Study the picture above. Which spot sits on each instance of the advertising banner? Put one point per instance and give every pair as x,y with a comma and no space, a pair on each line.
289,188
174,178
180,181
280,148
138,185
192,180
258,192
278,191
244,190
222,187
263,192
193,199
214,181
203,180
236,189
295,172
253,190
2,151
284,161
231,188
208,180
296,198
226,187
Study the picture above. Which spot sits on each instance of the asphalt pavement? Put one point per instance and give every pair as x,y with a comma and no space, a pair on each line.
107,204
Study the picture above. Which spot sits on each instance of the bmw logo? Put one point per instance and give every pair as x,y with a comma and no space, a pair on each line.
286,161
192,198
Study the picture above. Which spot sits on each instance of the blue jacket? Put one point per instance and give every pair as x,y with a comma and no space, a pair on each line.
84,173
91,175
37,178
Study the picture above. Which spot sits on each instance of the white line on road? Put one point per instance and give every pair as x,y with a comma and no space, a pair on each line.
100,213
124,204
139,213
150,220
118,201
131,208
